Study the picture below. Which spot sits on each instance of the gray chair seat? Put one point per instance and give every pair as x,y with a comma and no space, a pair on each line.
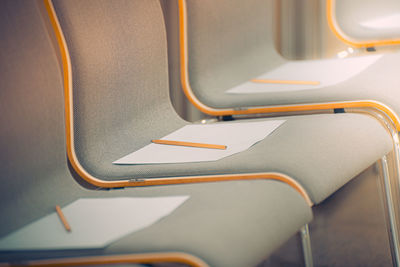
377,82
225,224
322,152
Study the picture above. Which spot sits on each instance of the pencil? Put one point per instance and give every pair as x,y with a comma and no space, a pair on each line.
62,218
285,82
181,143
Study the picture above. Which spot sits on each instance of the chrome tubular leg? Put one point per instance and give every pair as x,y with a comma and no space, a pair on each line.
306,245
392,223
397,157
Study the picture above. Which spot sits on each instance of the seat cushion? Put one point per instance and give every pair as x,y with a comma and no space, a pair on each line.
377,82
236,223
322,152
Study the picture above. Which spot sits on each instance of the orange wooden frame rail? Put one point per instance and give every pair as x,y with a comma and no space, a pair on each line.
335,28
132,181
171,257
185,81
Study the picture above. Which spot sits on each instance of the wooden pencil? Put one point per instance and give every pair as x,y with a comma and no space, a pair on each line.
190,144
285,82
63,219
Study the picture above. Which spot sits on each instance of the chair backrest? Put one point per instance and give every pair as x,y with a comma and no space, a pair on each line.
119,70
33,162
228,42
363,23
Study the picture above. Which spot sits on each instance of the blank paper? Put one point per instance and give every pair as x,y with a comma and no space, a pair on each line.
95,223
236,136
327,72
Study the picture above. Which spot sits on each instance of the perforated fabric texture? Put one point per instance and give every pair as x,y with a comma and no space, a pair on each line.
229,42
120,78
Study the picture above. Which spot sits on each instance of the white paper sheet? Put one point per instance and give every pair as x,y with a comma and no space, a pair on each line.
388,22
236,136
327,72
95,223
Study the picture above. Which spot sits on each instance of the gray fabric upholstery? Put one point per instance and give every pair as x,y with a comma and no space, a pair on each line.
211,73
108,125
229,43
122,94
225,224
245,220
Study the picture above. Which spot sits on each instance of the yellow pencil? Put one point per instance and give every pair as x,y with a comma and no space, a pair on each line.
62,218
181,143
285,82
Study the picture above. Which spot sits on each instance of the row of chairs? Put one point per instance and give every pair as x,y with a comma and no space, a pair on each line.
110,60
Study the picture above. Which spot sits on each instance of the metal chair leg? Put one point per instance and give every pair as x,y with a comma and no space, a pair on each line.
306,245
391,215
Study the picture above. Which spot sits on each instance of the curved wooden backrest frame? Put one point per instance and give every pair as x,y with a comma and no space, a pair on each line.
147,258
335,28
187,89
130,181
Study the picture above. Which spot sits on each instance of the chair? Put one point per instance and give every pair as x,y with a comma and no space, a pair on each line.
365,23
212,63
379,81
219,225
